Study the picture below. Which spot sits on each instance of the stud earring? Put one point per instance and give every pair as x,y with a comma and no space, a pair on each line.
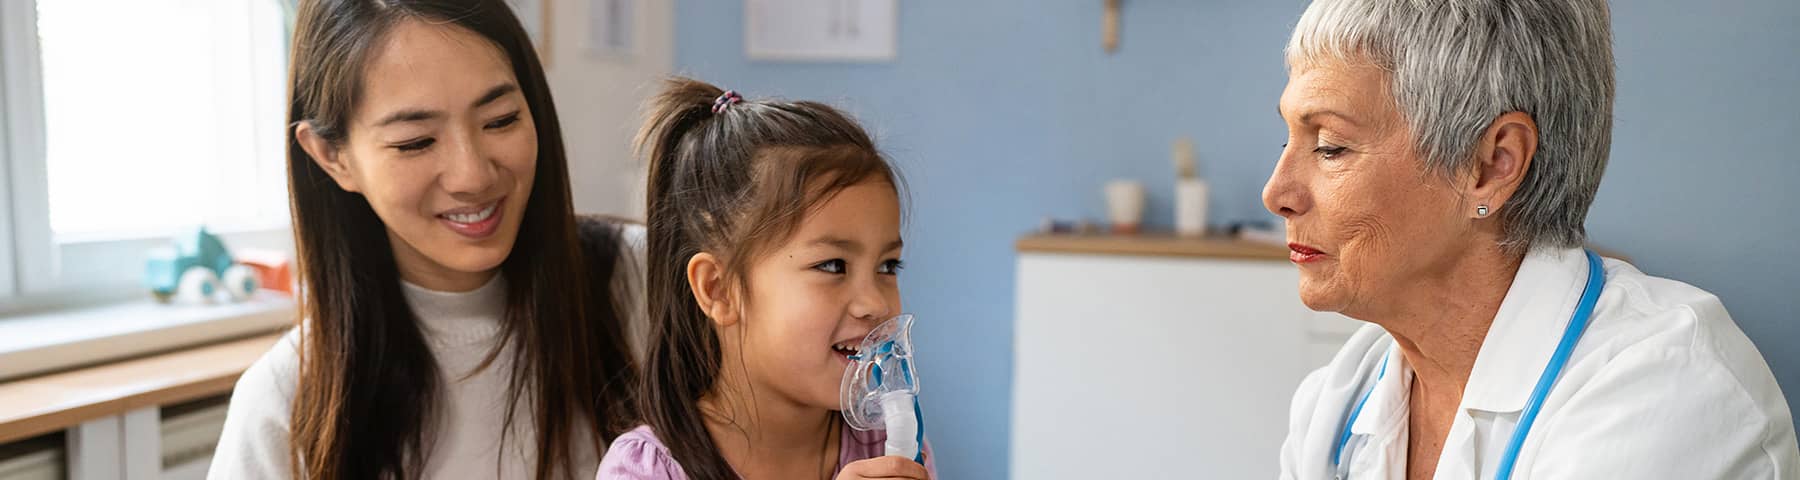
1481,211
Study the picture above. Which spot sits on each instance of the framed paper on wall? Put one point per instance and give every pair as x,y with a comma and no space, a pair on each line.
610,35
821,30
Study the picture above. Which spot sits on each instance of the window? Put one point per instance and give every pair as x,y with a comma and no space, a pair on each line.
128,121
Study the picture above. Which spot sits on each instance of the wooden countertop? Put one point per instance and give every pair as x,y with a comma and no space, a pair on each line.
47,403
1152,244
1163,244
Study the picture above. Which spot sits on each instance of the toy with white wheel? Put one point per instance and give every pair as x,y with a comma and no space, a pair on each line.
198,269
240,282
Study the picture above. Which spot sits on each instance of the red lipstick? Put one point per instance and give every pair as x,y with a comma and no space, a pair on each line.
1302,254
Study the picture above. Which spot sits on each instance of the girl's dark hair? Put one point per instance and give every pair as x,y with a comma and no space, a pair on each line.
734,184
368,385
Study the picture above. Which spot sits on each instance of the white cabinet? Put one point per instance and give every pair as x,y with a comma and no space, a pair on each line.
1159,366
35,459
149,418
150,443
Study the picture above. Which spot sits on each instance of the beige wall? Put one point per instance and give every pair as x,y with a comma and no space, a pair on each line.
598,99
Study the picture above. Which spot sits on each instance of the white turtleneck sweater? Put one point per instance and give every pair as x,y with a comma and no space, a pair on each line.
460,330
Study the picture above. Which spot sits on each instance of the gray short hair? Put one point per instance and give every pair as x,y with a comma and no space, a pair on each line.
1455,65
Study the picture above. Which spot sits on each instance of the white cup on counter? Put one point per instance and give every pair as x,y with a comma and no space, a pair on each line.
1125,205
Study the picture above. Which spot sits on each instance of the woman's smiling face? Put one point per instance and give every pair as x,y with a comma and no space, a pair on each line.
442,145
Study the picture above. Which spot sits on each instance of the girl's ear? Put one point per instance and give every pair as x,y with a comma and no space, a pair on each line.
706,278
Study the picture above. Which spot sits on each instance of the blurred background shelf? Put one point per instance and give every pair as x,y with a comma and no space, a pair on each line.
1159,244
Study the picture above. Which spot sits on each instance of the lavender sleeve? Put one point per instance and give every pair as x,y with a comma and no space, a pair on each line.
930,459
638,455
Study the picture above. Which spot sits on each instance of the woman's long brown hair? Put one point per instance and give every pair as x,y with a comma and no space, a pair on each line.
368,386
732,182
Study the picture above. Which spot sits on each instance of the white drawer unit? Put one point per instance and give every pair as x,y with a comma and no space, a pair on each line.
157,417
1158,366
155,443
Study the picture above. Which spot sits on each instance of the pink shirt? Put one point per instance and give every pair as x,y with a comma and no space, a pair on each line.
639,455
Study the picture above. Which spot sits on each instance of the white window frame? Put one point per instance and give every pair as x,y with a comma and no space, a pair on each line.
67,302
22,95
39,271
6,250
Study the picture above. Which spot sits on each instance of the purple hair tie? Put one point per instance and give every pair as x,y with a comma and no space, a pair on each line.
725,100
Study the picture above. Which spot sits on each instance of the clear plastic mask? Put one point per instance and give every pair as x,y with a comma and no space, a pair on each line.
882,364
881,388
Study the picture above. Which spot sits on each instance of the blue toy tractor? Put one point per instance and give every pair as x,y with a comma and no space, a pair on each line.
198,267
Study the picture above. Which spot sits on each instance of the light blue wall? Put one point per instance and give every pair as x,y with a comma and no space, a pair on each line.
1000,112
1704,181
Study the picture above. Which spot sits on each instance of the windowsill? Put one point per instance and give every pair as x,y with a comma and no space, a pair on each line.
57,340
162,235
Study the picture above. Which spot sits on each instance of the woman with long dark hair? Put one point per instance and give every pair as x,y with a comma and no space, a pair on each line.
456,318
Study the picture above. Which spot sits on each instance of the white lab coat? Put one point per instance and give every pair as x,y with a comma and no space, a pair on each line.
1662,385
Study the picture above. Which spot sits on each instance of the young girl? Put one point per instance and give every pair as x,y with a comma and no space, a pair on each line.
774,243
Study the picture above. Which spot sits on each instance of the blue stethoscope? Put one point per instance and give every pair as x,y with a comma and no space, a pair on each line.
1578,323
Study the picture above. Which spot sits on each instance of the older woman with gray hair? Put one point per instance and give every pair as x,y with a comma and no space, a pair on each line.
1440,162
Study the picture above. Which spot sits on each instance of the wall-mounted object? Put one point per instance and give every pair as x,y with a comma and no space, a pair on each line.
1109,26
821,30
609,29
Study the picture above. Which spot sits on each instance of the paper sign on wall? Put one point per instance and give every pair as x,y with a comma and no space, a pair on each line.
610,32
821,30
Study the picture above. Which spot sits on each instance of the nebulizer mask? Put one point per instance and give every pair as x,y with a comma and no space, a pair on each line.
881,388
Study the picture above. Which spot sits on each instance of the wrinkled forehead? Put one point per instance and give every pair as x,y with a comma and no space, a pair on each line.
1358,94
